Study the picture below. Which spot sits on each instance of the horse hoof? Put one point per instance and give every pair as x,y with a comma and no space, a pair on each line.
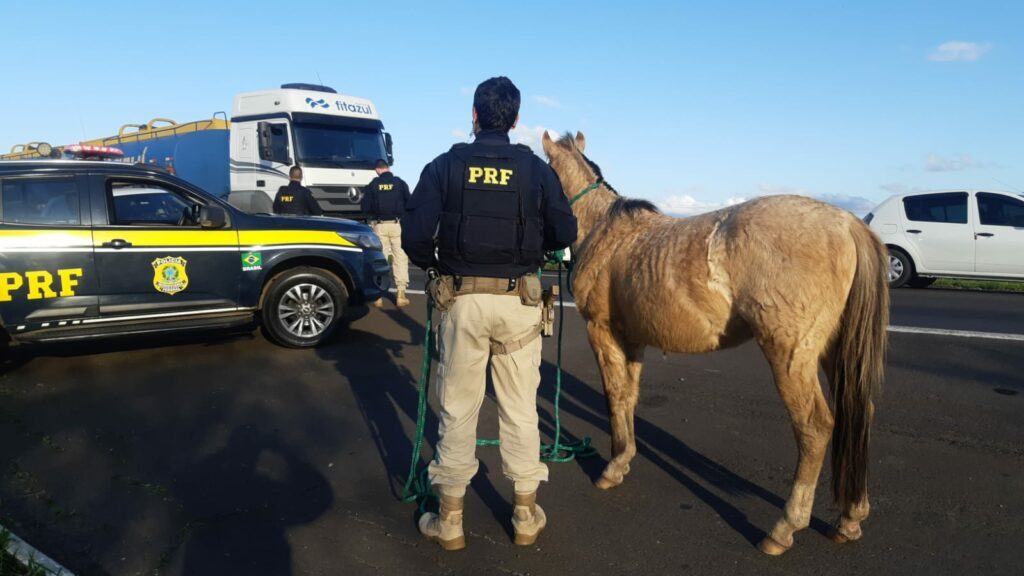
840,537
772,548
605,483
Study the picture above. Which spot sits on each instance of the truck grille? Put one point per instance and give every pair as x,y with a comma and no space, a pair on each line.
338,198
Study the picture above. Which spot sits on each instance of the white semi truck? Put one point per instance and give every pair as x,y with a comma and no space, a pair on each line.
336,139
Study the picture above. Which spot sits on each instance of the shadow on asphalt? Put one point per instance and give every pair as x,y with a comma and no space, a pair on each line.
388,394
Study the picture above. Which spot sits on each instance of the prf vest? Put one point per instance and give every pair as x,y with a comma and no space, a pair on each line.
491,214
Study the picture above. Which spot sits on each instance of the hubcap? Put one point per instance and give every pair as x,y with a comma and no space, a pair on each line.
306,310
895,268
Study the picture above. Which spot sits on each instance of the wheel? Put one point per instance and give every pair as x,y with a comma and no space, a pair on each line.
303,306
901,269
921,282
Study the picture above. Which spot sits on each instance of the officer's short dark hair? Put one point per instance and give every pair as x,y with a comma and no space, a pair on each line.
295,173
381,164
497,104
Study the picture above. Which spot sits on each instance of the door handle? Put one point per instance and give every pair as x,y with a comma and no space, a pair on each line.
984,234
913,231
261,182
117,244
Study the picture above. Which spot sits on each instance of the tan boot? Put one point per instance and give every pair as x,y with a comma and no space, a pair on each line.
528,519
378,303
401,300
445,528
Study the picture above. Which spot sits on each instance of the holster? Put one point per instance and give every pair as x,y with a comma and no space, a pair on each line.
547,315
441,290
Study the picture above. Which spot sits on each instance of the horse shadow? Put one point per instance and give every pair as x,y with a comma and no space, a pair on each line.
689,467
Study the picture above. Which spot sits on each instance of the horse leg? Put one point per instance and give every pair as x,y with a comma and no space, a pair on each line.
796,377
620,373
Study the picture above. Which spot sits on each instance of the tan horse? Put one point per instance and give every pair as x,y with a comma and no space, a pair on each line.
804,279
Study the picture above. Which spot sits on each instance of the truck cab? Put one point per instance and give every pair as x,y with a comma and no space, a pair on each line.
335,138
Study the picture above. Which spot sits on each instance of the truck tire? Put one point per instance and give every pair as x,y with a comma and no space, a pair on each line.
303,307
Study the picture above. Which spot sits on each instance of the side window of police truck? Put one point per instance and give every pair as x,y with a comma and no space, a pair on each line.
945,207
53,202
1000,210
149,204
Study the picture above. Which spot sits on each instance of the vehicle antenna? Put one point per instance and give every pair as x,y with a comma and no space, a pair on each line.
318,78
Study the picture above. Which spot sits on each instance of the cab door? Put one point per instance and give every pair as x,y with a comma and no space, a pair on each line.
999,234
47,272
153,258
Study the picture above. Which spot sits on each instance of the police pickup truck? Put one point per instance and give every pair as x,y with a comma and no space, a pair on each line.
92,249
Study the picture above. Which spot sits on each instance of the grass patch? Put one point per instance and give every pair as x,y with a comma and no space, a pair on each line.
990,285
10,566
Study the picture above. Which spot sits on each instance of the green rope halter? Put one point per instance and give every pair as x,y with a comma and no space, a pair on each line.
585,191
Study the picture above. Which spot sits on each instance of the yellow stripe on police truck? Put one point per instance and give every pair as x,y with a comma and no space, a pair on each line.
44,239
140,238
272,237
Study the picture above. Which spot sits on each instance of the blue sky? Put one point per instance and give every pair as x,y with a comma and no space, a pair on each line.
692,105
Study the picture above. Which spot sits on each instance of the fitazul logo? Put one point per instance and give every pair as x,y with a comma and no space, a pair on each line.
321,103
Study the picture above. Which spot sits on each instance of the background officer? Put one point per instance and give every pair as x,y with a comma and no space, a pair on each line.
493,209
296,198
383,203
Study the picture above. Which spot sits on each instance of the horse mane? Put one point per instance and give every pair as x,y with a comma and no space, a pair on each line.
621,206
630,206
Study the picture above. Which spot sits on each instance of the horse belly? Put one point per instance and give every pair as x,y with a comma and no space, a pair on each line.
673,327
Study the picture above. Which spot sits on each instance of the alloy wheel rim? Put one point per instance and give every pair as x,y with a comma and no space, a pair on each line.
306,310
895,268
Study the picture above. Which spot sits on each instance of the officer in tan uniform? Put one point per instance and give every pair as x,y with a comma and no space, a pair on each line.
490,209
383,203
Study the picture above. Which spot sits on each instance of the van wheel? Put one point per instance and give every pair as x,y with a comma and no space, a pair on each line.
303,307
901,269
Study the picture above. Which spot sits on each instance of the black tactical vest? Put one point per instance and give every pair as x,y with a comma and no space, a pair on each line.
387,201
491,214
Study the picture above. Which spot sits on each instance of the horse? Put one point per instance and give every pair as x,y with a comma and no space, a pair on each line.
805,280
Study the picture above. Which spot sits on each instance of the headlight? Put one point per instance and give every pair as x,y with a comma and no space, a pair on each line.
363,239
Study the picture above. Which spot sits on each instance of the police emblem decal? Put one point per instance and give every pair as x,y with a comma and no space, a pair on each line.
252,261
169,274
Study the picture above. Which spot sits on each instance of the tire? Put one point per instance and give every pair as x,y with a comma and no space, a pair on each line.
303,306
901,268
921,282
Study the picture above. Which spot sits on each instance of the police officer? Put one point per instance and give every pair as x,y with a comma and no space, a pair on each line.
383,203
493,209
296,198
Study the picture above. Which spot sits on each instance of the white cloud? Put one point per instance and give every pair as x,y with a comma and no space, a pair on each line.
957,51
547,101
531,136
687,204
956,163
460,134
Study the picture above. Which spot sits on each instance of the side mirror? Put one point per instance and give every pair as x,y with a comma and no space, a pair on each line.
389,148
212,217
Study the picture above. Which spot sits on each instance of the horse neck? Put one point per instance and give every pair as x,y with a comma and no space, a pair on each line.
591,210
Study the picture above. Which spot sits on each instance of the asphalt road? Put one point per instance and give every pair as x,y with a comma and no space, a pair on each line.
223,454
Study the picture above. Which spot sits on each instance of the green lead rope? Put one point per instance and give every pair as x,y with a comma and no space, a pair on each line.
417,485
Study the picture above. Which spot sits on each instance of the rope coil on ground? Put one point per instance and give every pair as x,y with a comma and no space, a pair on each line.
417,486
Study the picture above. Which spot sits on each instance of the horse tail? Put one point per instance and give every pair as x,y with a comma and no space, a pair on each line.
858,366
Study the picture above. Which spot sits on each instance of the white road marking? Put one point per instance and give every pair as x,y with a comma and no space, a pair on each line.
957,333
898,329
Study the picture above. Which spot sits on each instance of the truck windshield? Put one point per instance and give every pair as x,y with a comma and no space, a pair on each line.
327,146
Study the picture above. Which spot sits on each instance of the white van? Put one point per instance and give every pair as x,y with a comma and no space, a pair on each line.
962,234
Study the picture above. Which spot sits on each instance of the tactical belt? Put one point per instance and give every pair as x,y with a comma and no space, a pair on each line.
500,287
484,285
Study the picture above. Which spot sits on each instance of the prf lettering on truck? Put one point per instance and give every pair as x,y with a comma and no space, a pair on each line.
38,284
490,175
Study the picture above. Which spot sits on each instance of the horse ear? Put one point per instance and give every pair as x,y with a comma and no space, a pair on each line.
581,141
547,143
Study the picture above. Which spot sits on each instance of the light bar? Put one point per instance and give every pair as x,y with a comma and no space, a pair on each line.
93,150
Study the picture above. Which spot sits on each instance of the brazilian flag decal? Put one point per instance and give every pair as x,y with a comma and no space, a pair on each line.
252,261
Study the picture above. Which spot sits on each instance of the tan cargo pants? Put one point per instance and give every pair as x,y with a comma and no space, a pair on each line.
390,234
464,341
